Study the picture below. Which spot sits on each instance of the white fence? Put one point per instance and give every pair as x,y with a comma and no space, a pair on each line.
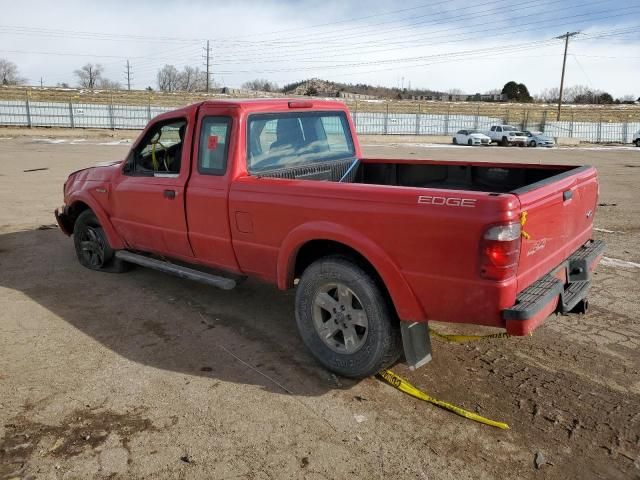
86,115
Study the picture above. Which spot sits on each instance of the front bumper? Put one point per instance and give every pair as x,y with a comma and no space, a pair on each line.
64,222
558,291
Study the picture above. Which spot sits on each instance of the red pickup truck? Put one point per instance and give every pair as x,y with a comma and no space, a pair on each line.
279,190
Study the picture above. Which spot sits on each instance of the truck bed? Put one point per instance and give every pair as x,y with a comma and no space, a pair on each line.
476,177
455,176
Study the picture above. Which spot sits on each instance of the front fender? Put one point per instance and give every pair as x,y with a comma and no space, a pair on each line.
404,300
115,241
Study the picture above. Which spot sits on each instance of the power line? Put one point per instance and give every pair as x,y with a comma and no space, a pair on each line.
365,47
207,64
128,75
566,37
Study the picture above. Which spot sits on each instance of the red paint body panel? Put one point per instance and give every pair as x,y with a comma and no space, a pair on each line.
426,254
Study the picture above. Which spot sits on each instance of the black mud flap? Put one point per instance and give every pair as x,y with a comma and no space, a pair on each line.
416,343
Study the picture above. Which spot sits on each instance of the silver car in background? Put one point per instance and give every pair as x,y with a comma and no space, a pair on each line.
538,139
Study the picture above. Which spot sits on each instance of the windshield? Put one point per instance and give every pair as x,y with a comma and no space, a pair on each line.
474,131
507,128
283,140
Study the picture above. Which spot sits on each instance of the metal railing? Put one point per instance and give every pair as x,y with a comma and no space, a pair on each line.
378,118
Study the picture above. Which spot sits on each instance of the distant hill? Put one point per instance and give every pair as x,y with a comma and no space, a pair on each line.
326,88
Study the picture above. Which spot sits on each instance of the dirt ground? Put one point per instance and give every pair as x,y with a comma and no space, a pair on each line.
143,375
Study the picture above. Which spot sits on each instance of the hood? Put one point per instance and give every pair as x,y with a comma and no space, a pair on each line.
97,166
478,135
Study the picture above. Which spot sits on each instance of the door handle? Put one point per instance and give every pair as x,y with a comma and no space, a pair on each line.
170,194
567,195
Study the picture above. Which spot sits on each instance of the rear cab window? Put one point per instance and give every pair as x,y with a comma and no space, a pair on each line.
290,139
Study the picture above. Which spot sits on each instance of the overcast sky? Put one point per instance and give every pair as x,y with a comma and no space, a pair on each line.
440,45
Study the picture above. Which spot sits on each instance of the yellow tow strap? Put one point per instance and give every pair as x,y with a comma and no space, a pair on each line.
523,220
404,386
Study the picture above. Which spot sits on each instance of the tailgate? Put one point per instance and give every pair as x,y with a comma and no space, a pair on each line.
559,218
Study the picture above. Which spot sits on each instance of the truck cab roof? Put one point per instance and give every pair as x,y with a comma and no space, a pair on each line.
262,104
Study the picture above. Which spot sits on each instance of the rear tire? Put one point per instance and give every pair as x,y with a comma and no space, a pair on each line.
92,247
455,141
638,142
345,319
505,142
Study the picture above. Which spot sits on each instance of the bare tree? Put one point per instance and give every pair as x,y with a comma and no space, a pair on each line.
548,95
89,76
9,73
168,79
192,79
261,85
106,84
576,91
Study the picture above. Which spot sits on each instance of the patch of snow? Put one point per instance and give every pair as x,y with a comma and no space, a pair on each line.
604,230
49,140
114,142
359,418
617,263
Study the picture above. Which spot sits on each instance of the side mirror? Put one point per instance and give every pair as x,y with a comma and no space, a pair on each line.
127,167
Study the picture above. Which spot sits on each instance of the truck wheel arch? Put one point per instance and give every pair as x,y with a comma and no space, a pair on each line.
80,204
325,238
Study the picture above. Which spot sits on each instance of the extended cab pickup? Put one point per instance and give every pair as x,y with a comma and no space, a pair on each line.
279,190
507,135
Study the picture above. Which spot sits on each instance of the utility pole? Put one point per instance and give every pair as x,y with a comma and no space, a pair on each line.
207,64
41,82
128,74
566,37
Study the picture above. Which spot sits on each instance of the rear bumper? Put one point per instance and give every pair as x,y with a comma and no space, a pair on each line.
62,217
558,291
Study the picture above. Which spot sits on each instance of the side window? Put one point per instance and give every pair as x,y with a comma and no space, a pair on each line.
160,152
498,129
214,145
493,129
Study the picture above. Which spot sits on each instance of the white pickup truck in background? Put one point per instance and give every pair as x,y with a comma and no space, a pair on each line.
507,135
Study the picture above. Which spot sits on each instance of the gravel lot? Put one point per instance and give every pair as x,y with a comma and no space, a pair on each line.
143,375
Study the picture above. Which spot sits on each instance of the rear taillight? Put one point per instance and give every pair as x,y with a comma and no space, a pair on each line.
499,251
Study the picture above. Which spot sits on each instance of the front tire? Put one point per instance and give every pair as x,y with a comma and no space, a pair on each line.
533,143
345,319
92,247
470,142
638,142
